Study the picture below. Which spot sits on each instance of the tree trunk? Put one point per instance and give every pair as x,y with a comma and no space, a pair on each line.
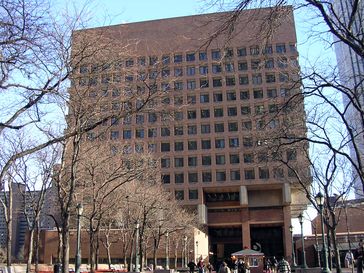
30,251
37,248
65,247
92,251
97,252
336,250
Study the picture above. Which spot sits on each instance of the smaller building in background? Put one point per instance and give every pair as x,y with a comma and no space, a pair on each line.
349,231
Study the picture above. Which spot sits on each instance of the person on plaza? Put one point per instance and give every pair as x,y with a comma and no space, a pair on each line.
283,266
349,259
224,268
200,266
209,267
359,253
274,264
191,265
235,265
267,266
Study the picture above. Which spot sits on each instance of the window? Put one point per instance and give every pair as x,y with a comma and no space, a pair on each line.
129,63
220,176
244,95
247,142
257,78
218,97
178,58
191,84
282,62
139,119
139,133
178,146
220,159
231,96
178,85
268,49
230,81
165,131
219,127
269,64
166,73
235,175
259,109
126,134
202,56
206,160
203,69
254,50
205,128
248,158
241,52
215,54
179,178
263,173
278,173
166,101
281,48
165,162
115,92
232,111
232,126
166,178
206,177
153,60
192,161
255,64
234,142
152,132
192,145
191,114
247,125
229,67
283,77
218,112
191,70
234,159
192,178
204,83
270,78
152,147
192,129
193,194
216,82
260,124
165,147
114,135
243,80
166,59
216,68
178,115
242,66
271,93
219,143
258,94
191,99
245,110
249,174
178,72
273,108
178,130
178,162
190,57
291,155
229,53
179,194
205,113
206,144
204,98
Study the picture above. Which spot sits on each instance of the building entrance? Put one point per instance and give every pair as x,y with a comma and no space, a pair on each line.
268,240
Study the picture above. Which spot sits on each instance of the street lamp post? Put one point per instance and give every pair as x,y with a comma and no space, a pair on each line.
293,252
320,200
304,264
137,246
197,250
167,250
79,208
184,255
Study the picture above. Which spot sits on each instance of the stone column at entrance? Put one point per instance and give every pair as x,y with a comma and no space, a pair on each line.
245,226
287,221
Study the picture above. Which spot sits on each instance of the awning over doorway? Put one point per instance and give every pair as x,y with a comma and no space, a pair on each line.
247,252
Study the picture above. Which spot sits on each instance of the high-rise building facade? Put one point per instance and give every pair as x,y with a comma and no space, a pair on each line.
351,71
221,105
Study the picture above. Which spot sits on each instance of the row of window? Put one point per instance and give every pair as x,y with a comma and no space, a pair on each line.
215,54
221,159
191,84
223,176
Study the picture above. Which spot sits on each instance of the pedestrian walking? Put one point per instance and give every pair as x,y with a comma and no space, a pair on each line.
283,266
224,268
192,266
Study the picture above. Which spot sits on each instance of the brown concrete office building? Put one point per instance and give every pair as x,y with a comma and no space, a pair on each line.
227,95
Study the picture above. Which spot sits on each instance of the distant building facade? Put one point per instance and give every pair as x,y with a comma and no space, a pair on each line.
351,71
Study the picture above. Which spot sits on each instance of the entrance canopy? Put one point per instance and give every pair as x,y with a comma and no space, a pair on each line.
247,252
